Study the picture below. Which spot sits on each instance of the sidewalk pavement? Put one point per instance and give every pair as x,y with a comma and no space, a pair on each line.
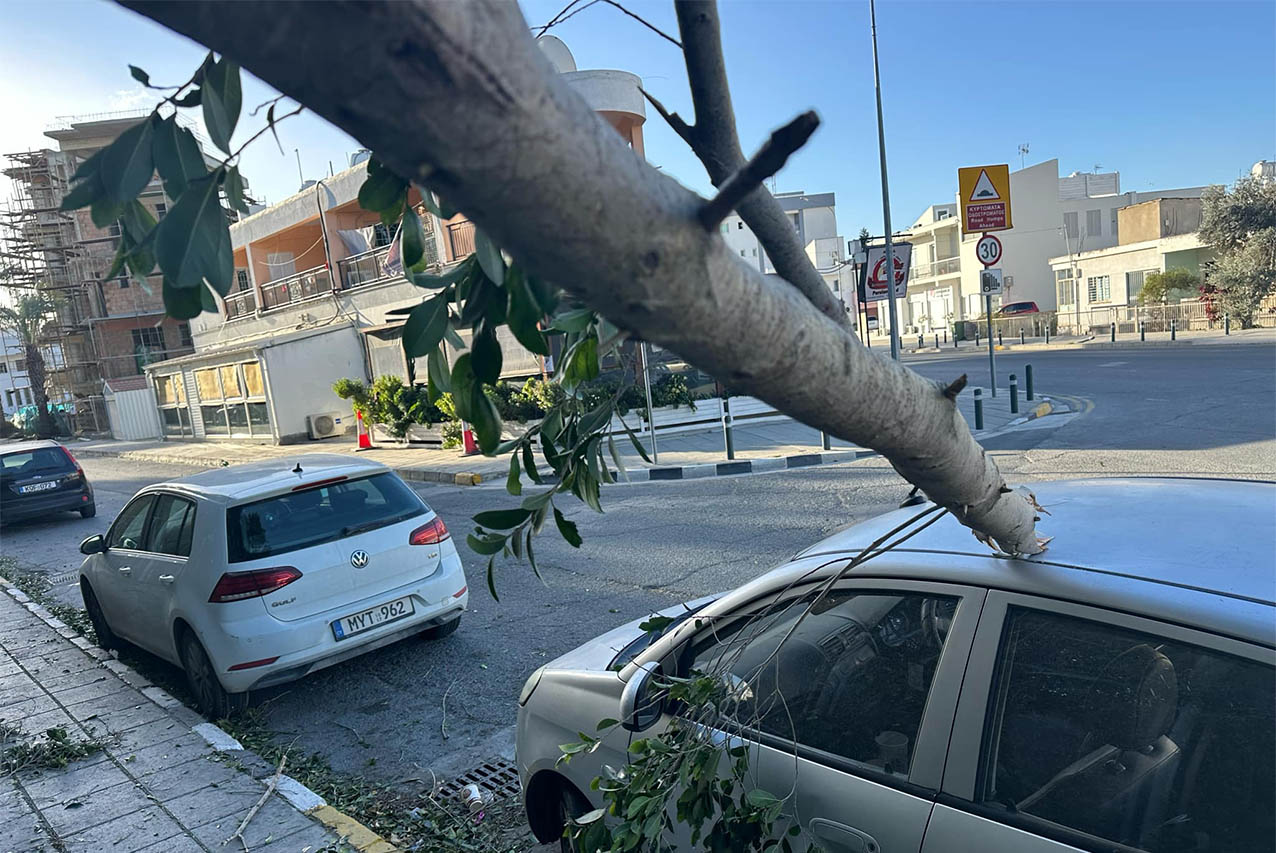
162,779
765,444
1210,337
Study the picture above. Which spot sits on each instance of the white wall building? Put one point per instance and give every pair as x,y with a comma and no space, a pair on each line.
15,384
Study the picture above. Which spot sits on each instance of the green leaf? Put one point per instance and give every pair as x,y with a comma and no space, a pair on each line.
436,205
529,464
412,240
90,166
607,723
222,99
137,221
120,259
183,303
615,457
531,555
234,186
489,257
192,243
589,817
581,363
82,194
177,157
655,624
463,385
567,528
139,75
486,545
576,320
192,99
436,370
383,191
514,483
424,329
502,519
127,163
104,212
538,500
545,294
761,799
270,123
491,579
453,339
486,422
524,314
452,276
642,451
487,355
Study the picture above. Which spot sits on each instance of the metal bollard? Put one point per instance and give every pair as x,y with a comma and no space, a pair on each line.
1047,334
824,441
945,336
726,428
954,339
1143,331
1112,332
1027,375
1014,395
979,408
919,341
1021,337
976,337
1173,331
999,337
1227,324
937,340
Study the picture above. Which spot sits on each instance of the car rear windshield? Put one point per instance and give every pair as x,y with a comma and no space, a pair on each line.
310,517
29,463
1018,306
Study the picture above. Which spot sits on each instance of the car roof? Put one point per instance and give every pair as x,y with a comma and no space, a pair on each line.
24,446
1166,547
267,477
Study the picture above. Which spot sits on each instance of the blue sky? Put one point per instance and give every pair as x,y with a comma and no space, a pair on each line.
1168,93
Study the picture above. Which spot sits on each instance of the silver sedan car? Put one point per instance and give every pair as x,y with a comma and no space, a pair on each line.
1115,693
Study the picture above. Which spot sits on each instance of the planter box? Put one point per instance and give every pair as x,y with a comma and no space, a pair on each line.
416,434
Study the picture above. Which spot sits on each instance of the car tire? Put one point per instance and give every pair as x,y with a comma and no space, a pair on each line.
446,629
571,804
88,511
213,699
106,638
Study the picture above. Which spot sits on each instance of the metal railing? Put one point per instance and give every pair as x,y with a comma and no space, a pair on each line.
460,237
369,267
240,304
944,266
295,288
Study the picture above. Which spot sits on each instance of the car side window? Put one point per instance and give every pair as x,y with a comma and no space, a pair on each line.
850,678
129,527
170,525
1130,737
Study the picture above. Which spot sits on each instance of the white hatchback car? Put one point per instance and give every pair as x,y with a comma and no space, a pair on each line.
1116,693
258,574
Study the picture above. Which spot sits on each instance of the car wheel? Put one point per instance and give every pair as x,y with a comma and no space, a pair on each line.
88,511
438,632
213,699
570,805
106,638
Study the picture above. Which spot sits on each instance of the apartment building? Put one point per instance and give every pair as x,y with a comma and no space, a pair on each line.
106,329
1053,216
318,296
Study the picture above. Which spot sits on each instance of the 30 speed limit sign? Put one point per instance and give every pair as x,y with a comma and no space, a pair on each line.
988,249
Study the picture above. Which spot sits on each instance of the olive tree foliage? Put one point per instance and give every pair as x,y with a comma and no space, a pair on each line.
25,320
1169,286
1241,225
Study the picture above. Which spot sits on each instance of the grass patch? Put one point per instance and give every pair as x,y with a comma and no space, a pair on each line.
417,822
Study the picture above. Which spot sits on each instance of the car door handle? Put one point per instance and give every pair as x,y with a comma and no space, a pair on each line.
843,838
166,578
126,570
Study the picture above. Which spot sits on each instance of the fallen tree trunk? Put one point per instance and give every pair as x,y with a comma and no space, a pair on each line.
459,97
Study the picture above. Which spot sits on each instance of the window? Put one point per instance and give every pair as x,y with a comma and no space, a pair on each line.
172,526
242,281
170,396
1094,223
127,530
1130,737
20,365
739,226
1098,288
123,281
1070,227
1134,283
381,235
148,346
8,399
233,400
755,253
1114,223
4,367
297,520
113,229
726,228
160,209
849,680
742,253
41,460
184,334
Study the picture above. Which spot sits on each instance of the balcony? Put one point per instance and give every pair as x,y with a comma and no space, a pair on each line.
460,236
241,304
370,267
295,288
947,266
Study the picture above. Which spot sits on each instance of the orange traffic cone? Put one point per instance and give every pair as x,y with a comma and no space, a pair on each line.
365,437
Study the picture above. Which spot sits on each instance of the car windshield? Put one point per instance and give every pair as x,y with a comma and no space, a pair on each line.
311,517
28,463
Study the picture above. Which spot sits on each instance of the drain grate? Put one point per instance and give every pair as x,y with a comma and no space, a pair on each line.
498,776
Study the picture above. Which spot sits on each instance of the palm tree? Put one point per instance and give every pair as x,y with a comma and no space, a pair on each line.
25,320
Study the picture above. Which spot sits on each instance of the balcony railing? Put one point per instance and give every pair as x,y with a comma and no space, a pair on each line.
947,266
295,288
369,267
240,304
460,237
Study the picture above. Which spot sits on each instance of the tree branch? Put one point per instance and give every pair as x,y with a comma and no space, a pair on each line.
715,141
462,93
769,160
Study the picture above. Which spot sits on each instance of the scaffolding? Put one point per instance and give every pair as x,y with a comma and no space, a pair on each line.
64,255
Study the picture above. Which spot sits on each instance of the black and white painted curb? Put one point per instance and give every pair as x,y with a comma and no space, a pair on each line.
298,795
745,466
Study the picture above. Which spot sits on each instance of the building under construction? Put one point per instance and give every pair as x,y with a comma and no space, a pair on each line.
102,330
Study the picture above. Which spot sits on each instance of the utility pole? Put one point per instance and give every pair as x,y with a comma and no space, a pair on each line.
886,195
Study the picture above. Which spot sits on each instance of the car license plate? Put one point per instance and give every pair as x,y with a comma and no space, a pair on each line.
365,620
38,487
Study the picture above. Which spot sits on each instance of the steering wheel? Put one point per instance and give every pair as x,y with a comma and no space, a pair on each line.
937,619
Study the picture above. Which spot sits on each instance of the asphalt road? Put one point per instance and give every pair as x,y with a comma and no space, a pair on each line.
398,713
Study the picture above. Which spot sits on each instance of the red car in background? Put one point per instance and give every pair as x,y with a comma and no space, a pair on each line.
1018,308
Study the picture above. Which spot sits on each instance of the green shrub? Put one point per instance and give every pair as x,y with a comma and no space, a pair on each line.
390,403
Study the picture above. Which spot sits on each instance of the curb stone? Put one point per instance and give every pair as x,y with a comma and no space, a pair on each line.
304,800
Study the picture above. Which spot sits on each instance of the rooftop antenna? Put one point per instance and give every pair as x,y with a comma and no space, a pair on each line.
297,470
1023,152
1097,167
300,176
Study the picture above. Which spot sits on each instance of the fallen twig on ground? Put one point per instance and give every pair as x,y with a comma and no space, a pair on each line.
270,789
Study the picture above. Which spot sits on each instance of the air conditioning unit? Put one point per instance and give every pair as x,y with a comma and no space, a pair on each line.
325,425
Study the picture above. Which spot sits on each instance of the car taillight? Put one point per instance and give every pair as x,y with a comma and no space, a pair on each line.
429,534
78,470
236,586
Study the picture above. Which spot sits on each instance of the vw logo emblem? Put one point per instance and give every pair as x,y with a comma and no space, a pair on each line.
359,559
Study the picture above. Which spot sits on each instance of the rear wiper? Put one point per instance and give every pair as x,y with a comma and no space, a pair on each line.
360,528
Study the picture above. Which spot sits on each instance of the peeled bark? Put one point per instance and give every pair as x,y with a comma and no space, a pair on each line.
459,97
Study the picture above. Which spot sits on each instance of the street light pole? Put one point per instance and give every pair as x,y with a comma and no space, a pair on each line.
886,195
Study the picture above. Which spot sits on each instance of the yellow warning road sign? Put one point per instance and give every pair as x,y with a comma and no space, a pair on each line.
985,198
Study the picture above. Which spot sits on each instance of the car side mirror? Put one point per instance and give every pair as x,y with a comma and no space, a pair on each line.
642,702
95,544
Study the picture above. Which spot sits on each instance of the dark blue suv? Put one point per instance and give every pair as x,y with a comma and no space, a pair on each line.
42,477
